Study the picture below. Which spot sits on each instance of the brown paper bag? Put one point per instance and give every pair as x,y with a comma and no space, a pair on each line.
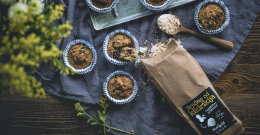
178,76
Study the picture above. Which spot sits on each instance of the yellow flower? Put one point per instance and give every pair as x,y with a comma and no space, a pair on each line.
28,40
35,7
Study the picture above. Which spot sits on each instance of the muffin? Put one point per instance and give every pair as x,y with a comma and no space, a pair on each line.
156,5
211,16
156,2
120,87
102,6
80,56
102,3
122,47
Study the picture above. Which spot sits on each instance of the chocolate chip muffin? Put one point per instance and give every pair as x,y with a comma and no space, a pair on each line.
120,86
156,2
211,16
121,47
80,56
102,3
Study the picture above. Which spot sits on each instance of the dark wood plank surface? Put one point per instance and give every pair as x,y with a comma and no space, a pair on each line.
239,86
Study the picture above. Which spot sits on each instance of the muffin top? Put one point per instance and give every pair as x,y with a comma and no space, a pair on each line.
156,2
121,47
120,86
211,16
102,3
80,56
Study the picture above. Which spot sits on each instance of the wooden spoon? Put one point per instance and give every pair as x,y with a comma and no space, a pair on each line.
162,22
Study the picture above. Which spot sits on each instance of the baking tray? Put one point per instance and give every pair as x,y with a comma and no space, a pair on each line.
127,10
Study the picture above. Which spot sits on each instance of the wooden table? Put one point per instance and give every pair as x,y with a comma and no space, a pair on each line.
239,86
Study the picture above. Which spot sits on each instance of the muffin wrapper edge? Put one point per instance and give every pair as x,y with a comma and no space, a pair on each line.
156,8
101,10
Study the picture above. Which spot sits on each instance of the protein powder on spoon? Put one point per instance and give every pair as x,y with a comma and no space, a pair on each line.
171,25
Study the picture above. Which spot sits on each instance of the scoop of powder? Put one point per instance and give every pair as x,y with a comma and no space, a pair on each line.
168,23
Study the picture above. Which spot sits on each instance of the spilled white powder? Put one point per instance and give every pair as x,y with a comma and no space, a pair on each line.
168,23
142,54
160,47
156,48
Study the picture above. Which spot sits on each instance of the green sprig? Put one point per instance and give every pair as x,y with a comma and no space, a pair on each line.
102,116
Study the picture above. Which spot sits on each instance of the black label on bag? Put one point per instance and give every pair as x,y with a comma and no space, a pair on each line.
208,113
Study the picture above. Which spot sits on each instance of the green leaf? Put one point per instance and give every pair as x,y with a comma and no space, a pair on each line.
89,120
108,130
107,105
95,116
94,123
79,114
99,114
101,117
105,117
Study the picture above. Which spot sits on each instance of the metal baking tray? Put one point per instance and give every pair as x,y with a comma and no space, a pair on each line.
126,10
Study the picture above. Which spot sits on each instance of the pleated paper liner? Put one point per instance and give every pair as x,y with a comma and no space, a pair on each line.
120,101
156,8
93,62
105,44
101,10
224,25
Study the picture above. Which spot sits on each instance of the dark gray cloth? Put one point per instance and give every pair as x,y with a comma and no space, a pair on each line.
148,112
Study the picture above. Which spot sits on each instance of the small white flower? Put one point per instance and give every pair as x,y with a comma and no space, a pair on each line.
17,9
7,2
36,6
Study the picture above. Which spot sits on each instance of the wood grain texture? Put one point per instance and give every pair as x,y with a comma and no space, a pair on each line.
19,115
239,86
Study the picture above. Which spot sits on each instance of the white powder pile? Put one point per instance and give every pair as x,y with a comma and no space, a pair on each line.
142,54
160,47
168,23
157,48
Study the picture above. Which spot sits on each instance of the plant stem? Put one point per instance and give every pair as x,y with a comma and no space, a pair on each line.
120,130
88,115
103,123
104,130
106,126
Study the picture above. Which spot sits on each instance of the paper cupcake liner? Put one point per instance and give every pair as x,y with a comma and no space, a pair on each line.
84,70
224,25
105,44
101,10
156,8
120,101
